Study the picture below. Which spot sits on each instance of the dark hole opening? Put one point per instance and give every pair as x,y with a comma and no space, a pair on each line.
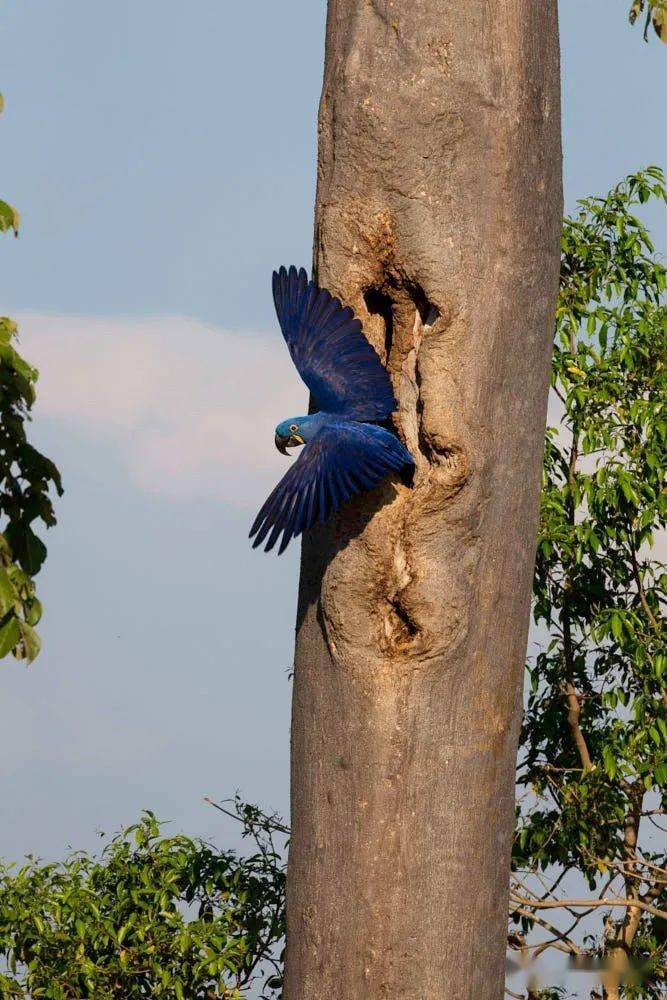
428,312
407,625
378,303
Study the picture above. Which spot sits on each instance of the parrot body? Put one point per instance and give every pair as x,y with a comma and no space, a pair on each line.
345,450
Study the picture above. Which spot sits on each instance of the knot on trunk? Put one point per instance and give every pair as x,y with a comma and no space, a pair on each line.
389,593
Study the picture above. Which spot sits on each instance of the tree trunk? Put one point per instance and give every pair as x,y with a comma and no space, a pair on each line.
438,218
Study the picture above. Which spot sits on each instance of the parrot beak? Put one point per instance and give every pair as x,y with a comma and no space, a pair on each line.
282,443
290,441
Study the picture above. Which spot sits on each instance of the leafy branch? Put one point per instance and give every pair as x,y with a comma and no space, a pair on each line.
26,480
656,15
593,759
154,915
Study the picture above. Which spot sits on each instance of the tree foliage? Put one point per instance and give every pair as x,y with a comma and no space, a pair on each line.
655,12
153,916
26,480
593,764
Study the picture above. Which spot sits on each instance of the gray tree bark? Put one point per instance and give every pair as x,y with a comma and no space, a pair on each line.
438,218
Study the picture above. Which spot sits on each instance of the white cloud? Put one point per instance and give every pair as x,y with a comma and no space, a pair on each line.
190,408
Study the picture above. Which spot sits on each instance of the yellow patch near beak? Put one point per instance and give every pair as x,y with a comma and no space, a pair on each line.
298,439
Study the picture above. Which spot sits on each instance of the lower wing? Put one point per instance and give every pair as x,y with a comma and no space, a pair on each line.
342,459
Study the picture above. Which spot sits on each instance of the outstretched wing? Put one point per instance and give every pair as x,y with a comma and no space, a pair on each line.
341,459
330,352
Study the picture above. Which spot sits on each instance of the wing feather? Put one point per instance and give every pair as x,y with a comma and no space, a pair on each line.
342,459
328,347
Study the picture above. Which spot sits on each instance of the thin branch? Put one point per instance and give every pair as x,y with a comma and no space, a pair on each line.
561,942
573,702
638,581
573,713
554,886
650,818
274,822
630,838
591,903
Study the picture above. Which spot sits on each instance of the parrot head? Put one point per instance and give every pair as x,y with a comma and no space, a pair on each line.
290,433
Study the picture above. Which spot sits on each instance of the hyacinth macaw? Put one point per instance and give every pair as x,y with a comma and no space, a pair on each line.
345,450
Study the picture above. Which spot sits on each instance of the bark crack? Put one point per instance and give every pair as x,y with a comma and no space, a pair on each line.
401,628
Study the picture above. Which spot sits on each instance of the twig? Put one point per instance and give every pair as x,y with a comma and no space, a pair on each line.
573,702
280,827
638,581
591,903
566,945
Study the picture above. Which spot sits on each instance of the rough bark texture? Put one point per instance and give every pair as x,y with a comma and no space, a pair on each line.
438,218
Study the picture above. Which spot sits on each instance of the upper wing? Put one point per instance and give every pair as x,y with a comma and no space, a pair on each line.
331,354
341,459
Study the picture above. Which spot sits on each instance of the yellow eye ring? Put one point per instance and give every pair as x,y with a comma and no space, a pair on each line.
293,427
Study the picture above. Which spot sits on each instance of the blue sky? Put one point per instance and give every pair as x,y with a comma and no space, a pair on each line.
163,158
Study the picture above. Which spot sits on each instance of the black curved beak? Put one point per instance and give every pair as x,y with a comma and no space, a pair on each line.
282,443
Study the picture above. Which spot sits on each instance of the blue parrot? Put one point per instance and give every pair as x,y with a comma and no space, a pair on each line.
345,450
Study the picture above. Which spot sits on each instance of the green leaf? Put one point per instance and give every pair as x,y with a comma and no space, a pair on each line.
609,762
10,636
30,641
32,611
8,595
8,330
659,21
616,626
9,218
28,549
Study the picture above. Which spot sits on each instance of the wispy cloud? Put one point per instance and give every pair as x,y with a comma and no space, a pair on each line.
190,408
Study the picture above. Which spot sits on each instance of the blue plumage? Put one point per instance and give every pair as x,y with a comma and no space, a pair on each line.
330,352
343,453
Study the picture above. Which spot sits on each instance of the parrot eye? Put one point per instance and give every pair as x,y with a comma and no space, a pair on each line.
293,427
